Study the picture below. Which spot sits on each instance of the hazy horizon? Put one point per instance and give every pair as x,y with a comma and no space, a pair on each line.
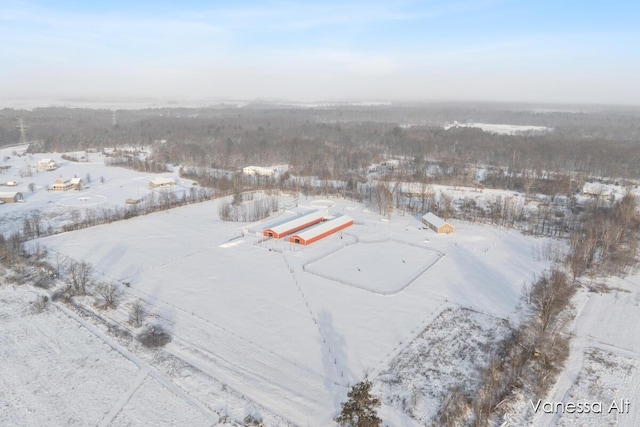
415,51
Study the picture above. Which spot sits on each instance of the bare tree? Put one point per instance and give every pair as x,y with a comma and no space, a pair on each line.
446,205
549,296
32,187
382,199
137,313
110,293
80,275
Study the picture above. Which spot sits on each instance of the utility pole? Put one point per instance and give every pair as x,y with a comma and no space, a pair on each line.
23,130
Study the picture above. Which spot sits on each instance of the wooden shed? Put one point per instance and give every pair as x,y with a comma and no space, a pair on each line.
295,224
322,230
11,197
161,182
437,224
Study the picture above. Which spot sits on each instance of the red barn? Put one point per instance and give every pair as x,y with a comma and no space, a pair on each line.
322,230
294,225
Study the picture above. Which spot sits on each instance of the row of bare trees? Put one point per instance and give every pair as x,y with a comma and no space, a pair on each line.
603,242
237,210
71,281
528,361
606,240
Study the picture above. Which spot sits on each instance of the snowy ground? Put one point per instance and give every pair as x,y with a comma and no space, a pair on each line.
364,265
605,357
244,311
448,354
501,129
58,370
106,186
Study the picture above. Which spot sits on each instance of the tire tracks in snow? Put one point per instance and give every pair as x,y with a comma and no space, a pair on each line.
144,367
108,419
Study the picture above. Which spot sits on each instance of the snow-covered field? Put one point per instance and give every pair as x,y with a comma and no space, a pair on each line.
603,383
448,354
245,312
502,129
56,371
282,331
365,265
604,364
105,186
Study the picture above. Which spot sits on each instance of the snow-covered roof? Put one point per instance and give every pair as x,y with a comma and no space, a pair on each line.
161,180
325,226
8,194
596,188
76,180
434,220
297,222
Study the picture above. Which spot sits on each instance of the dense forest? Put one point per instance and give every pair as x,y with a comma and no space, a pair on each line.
333,142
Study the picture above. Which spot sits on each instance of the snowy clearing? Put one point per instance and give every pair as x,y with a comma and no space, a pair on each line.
447,354
244,311
104,186
364,265
604,382
56,371
502,129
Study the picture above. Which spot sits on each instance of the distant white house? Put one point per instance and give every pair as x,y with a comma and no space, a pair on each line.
46,165
596,189
386,165
391,163
161,182
258,170
264,171
437,224
11,183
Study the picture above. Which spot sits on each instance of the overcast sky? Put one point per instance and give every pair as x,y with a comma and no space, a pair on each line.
495,50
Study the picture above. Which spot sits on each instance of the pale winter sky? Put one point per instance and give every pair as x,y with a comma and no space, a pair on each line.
378,50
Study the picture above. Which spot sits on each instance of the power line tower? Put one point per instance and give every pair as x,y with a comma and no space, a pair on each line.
23,130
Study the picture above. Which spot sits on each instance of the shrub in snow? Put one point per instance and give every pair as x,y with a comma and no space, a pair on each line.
40,304
154,336
252,420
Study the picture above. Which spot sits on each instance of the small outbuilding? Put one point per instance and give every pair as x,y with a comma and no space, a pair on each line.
11,197
161,182
76,183
437,224
322,230
295,224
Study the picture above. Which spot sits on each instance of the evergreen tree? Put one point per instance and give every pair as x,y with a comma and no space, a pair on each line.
360,409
